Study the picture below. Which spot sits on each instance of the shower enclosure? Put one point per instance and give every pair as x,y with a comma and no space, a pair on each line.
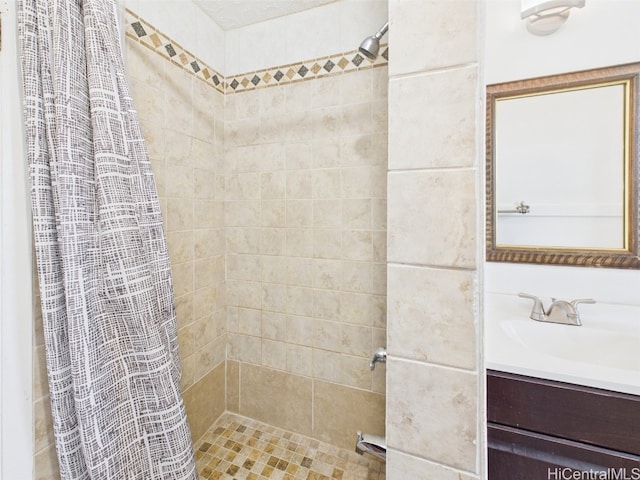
273,191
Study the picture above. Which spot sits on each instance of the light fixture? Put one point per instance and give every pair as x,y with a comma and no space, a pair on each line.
546,16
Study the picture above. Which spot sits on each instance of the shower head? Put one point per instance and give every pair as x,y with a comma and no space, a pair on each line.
370,46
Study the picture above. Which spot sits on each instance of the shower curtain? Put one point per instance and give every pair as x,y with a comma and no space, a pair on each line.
103,267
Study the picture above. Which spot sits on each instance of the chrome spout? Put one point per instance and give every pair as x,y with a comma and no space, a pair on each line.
372,444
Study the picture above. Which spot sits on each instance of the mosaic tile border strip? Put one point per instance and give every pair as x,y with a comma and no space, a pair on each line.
146,34
308,70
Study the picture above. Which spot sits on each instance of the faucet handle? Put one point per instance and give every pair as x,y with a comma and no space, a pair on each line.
537,312
574,303
380,355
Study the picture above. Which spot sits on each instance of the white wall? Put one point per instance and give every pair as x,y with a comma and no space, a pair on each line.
16,454
186,23
603,33
326,30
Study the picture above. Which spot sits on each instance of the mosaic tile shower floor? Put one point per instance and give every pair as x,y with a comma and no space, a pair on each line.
239,448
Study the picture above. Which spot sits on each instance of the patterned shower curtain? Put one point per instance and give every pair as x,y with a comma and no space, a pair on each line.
103,266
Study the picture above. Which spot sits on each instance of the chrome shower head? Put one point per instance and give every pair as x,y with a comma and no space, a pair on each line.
370,46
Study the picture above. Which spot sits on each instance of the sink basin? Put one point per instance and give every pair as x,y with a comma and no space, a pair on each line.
604,352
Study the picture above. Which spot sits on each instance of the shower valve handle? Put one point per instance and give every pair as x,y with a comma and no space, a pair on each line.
379,356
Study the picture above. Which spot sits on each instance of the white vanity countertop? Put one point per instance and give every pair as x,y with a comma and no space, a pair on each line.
604,352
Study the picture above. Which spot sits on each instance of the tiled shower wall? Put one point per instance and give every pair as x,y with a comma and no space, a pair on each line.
306,250
183,123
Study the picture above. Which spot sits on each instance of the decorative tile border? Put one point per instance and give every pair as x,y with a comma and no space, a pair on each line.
146,34
296,72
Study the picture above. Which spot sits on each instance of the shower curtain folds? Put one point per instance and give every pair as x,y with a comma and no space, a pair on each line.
103,266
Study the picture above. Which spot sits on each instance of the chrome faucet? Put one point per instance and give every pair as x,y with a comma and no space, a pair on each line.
560,311
379,356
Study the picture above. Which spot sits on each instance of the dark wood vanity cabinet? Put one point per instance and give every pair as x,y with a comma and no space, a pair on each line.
541,429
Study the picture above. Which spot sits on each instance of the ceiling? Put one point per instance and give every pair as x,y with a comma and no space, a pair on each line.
229,14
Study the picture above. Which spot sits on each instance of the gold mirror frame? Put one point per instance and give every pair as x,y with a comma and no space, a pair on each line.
627,257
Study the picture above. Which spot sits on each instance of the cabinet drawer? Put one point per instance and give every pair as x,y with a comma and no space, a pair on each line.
584,414
518,455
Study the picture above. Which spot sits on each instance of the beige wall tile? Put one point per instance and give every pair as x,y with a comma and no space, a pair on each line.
244,348
327,243
325,154
326,335
445,137
272,185
274,354
300,330
432,218
326,304
357,245
327,183
249,321
243,240
434,315
299,271
357,213
432,34
299,155
205,401
274,214
327,365
298,184
299,360
357,308
184,309
273,241
356,372
205,272
182,278
274,325
339,412
46,464
326,273
300,301
180,246
357,277
188,364
179,214
431,412
326,213
401,467
42,424
177,147
299,242
356,340
274,269
278,398
40,381
233,385
181,181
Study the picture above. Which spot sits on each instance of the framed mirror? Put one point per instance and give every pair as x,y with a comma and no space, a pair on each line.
562,169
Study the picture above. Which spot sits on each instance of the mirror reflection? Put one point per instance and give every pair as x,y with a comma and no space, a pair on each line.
562,169
562,156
